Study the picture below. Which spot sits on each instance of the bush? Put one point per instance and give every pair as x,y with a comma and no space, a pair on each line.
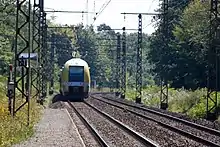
183,101
14,130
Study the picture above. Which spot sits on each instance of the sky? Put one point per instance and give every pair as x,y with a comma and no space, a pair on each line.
110,15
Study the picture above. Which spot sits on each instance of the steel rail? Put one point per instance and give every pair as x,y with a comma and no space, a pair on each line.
198,126
175,129
89,126
141,138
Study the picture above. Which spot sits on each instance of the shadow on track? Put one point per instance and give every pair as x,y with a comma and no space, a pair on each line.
60,98
76,98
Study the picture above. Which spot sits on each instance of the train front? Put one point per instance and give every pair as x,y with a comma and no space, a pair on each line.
75,79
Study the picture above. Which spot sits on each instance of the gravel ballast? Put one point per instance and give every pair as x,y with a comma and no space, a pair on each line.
87,137
113,135
204,122
212,137
54,130
150,129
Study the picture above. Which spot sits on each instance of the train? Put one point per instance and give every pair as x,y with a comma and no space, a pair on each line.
75,79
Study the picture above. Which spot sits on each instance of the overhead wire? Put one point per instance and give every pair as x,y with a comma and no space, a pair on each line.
148,25
101,10
147,11
101,7
151,5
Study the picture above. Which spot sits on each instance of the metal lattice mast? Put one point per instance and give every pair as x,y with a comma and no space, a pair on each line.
213,62
42,52
52,62
112,84
139,55
44,58
40,49
164,82
123,79
139,62
47,64
35,77
19,49
118,64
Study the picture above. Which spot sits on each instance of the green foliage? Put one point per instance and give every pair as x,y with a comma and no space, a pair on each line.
184,100
14,130
6,34
191,103
198,111
99,50
194,31
183,62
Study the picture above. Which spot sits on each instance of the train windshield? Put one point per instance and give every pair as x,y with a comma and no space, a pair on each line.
76,74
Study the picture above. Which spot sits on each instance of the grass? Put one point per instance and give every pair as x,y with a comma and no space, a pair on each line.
100,90
191,103
15,130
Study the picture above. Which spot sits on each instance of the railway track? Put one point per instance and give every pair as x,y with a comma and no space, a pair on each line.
94,132
188,129
134,137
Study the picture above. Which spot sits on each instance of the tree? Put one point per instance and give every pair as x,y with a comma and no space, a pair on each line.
191,42
167,60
